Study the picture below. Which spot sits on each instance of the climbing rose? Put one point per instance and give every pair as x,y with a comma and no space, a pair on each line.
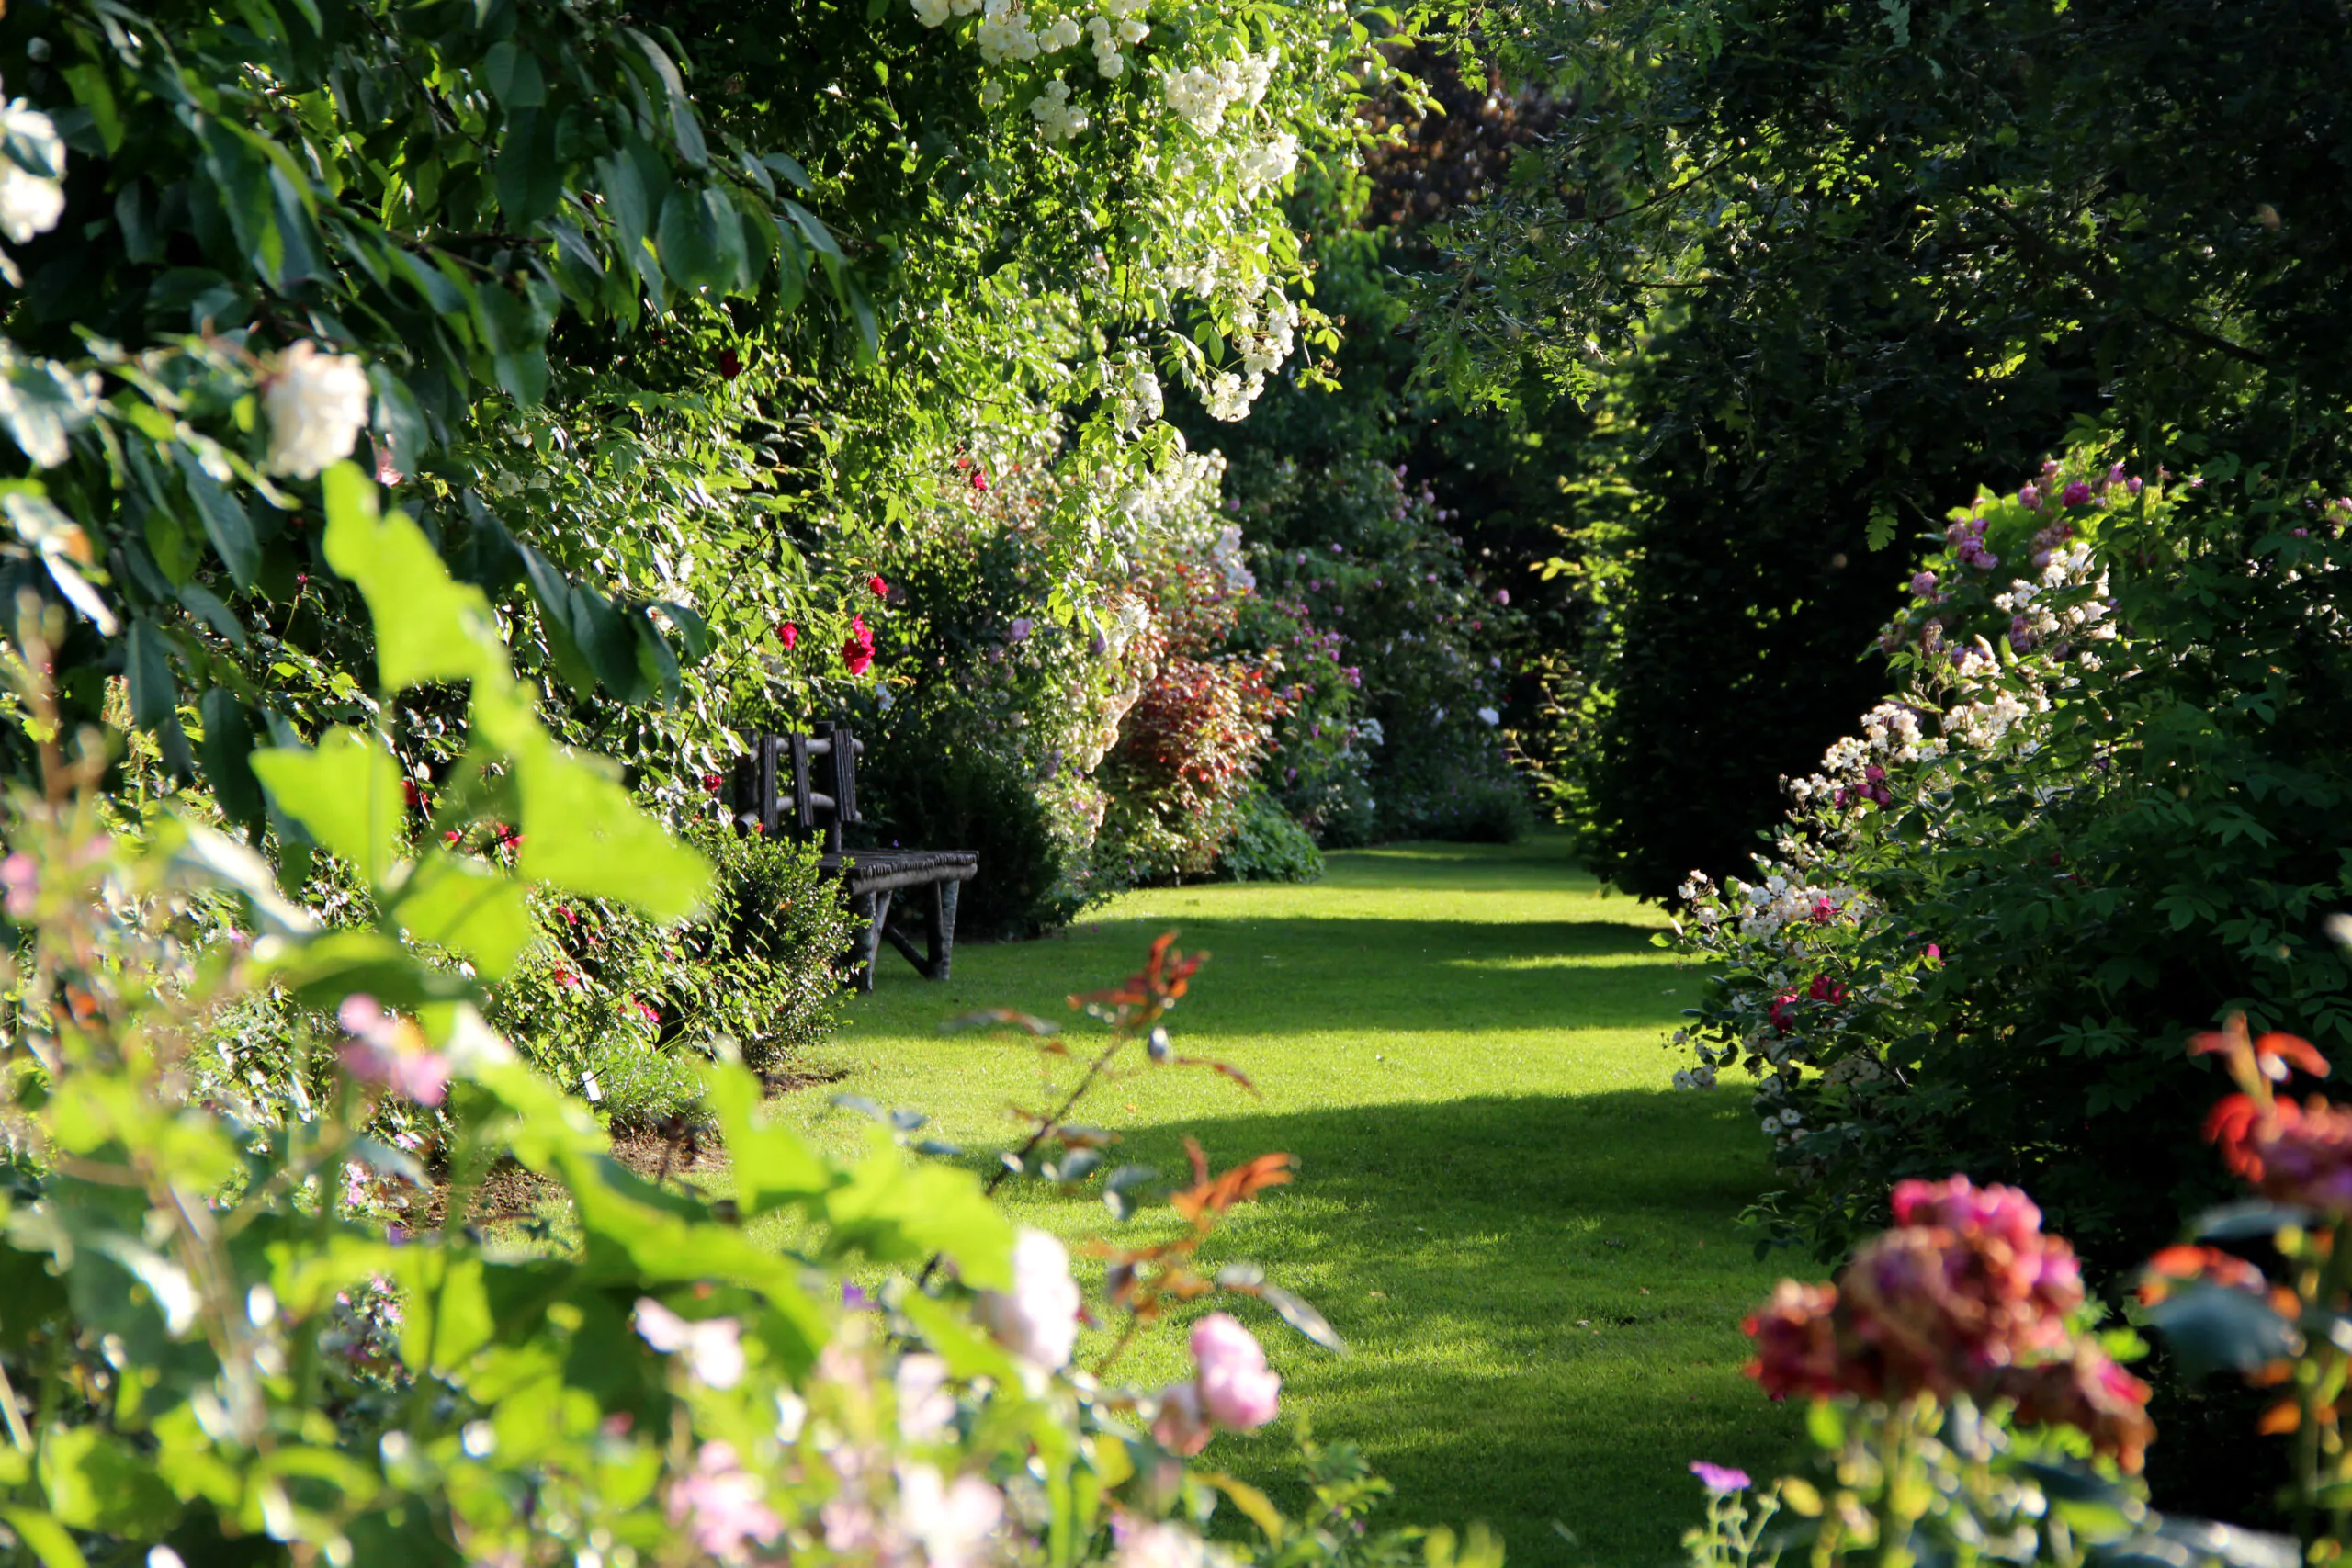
1796,1343
858,651
877,587
2076,494
1237,1391
1038,1319
1161,1545
317,402
787,634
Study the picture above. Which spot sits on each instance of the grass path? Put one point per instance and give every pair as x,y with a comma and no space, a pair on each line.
1526,1236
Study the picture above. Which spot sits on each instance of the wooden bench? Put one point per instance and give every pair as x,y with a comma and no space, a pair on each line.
802,786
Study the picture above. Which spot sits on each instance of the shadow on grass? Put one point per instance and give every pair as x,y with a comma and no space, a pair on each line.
1289,975
1543,1296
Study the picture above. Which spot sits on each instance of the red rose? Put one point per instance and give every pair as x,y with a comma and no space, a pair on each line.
729,365
786,634
876,586
858,651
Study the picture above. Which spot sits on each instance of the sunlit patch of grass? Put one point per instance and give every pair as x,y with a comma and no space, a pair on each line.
1526,1236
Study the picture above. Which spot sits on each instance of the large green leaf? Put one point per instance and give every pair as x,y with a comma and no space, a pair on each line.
95,1483
346,790
467,906
428,628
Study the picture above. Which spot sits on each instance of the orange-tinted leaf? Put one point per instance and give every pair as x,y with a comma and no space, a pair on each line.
2283,1416
1215,1195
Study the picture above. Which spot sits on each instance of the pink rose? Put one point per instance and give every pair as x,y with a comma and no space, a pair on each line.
1237,1391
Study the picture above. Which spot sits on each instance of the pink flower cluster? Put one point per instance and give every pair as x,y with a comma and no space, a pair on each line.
1967,541
391,1052
1964,1296
1234,1391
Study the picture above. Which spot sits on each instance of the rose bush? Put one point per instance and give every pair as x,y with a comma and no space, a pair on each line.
2097,817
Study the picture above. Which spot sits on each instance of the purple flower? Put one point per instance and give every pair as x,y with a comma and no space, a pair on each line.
1924,584
1020,628
1719,1479
2077,494
2030,498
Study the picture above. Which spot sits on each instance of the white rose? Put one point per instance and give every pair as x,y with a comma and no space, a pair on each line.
1038,1320
317,403
31,203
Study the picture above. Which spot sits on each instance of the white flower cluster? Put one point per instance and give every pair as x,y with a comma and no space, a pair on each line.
317,403
1138,400
1266,163
1005,33
31,199
1051,111
1201,95
1769,908
1226,557
1116,26
934,13
1982,725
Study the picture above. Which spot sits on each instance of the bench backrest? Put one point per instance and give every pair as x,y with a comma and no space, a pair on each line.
800,783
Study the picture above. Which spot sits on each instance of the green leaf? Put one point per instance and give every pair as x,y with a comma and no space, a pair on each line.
771,1165
93,1481
683,124
530,174
1879,532
701,241
225,523
467,906
514,76
346,792
427,627
895,1213
147,668
228,768
45,1537
195,854
323,972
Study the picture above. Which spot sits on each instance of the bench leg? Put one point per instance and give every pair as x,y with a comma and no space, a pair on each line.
942,921
873,910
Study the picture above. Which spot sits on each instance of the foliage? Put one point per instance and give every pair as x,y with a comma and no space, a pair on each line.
1190,746
2097,816
1269,846
1814,269
223,1363
934,788
603,987
1348,546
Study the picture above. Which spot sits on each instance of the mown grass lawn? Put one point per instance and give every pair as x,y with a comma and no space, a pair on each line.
1527,1237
